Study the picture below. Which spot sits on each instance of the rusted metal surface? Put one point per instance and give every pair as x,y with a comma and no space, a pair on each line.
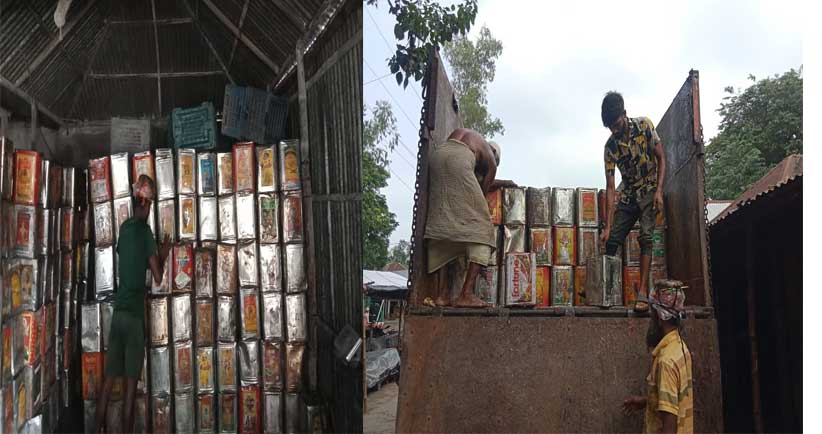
574,374
442,117
684,192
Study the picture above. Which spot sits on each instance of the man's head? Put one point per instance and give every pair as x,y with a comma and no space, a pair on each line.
495,150
144,192
667,308
613,113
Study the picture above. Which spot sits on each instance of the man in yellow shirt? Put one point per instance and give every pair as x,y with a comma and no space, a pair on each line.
669,404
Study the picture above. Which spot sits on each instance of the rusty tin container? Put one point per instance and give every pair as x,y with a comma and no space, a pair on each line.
120,185
184,412
225,173
294,352
67,228
246,207
186,171
296,318
539,243
227,367
160,371
487,285
228,413
244,167
205,370
630,285
538,206
164,164
228,227
166,220
520,279
266,169
104,271
587,244
543,287
68,187
27,169
226,269
273,403
206,174
292,217
587,208
268,210
92,374
209,227
295,269
205,322
90,327
272,316
562,207
183,273
204,272
142,163
161,421
514,239
187,217
251,416
272,366
25,231
226,318
247,264
183,367
632,249
158,321
206,409
99,172
122,212
562,285
604,282
270,268
181,319
494,200
513,206
565,248
249,355
106,314
249,314
579,286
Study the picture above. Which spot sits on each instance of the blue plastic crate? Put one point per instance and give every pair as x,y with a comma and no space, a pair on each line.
275,118
195,127
235,118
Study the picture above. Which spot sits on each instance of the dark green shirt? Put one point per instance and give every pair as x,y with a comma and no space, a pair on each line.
135,245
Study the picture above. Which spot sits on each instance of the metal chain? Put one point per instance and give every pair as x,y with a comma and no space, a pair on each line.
423,117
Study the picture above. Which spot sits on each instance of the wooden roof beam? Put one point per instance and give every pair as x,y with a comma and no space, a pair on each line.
247,42
208,41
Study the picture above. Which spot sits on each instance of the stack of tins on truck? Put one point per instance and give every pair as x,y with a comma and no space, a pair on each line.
551,356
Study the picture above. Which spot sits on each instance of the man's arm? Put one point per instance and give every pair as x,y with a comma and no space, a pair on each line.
659,153
158,261
491,163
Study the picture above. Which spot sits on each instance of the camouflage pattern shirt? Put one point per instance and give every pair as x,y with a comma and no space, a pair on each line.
633,154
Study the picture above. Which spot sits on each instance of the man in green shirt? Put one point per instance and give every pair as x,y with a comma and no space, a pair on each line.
137,251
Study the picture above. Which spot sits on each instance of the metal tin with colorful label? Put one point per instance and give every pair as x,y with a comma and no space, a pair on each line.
270,268
207,174
183,367
273,403
249,355
244,166
580,276
249,314
142,163
161,413
587,244
587,208
7,168
272,316
164,163
186,171
164,286
562,285
292,217
187,217
295,269
543,287
228,227
25,231
272,366
296,321
565,246
494,200
92,374
67,228
228,413
166,220
205,322
520,279
538,206
106,314
209,228
99,172
632,249
513,206
225,173
290,165
183,274
226,318
487,284
562,206
268,210
294,352
90,327
181,318
103,225
205,370
227,367
266,169
204,272
122,212
541,245
206,408
27,169
226,269
120,185
158,321
160,371
630,285
251,416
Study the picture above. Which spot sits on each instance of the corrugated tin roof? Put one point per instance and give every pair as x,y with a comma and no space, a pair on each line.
68,80
787,170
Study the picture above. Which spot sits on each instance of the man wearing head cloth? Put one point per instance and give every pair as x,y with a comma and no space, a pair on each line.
669,400
137,251
461,172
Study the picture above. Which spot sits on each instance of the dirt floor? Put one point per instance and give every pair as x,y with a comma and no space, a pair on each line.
381,410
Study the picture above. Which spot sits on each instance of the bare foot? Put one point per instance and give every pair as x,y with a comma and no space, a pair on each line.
470,300
428,302
443,301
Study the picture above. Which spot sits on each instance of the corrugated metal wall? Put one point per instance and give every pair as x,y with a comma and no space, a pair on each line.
333,70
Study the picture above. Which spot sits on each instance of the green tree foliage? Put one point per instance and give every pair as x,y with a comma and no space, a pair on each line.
760,126
473,66
400,253
421,25
380,137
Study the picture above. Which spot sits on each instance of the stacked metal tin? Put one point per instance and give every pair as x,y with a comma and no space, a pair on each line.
30,355
563,227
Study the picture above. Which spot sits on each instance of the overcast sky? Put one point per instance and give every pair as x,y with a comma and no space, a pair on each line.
559,59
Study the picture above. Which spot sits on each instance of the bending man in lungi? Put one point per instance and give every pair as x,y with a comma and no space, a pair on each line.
461,172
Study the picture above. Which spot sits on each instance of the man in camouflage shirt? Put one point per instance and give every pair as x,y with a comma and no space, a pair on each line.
634,147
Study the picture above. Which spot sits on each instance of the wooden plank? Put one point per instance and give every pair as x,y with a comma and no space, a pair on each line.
159,74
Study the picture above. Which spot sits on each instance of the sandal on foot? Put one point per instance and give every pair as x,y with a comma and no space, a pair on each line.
643,307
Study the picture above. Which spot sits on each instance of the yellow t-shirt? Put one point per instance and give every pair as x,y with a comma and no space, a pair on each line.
670,385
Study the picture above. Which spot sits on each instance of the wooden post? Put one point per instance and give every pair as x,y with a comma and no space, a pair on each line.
750,272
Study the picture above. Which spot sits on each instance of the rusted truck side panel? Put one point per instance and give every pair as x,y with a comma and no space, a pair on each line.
524,374
684,193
